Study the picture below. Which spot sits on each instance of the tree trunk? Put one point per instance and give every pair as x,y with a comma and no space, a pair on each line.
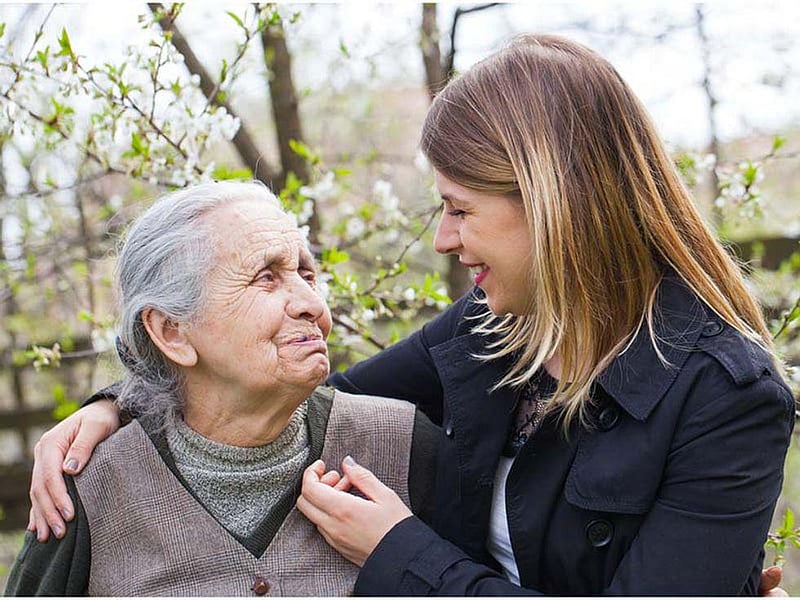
714,147
285,112
435,76
456,277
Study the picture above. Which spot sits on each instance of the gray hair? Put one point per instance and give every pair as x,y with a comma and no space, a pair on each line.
163,265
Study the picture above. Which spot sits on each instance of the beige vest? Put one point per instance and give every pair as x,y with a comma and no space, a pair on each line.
150,537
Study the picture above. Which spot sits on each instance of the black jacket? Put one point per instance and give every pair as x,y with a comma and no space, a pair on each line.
671,492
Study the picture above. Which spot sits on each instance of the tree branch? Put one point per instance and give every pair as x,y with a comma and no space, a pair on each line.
243,141
448,66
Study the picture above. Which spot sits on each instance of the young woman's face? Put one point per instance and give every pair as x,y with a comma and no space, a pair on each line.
491,237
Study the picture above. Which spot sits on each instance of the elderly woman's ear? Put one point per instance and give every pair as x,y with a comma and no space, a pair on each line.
170,337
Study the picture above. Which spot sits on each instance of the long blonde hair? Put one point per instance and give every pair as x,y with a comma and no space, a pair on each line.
550,122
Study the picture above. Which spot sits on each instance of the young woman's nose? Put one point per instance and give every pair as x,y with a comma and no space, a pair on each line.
447,239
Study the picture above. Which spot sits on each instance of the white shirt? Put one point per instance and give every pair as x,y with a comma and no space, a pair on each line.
498,542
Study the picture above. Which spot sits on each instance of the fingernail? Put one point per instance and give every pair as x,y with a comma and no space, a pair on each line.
66,513
58,530
72,465
349,461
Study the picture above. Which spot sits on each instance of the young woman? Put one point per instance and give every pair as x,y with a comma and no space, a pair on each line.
633,435
613,418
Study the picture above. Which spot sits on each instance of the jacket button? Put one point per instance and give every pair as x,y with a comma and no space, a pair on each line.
608,418
260,586
599,533
712,328
448,430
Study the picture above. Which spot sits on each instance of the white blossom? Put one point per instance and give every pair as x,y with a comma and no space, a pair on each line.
355,227
324,189
421,162
103,339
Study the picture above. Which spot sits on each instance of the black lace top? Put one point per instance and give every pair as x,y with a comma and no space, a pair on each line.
529,411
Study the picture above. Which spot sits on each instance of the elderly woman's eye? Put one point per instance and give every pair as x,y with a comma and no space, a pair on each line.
309,276
265,277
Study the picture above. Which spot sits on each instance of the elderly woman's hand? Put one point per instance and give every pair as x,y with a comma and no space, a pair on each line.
352,525
66,447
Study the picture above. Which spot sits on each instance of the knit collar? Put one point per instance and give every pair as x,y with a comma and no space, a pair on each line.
190,447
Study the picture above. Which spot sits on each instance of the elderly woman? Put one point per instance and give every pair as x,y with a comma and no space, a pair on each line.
222,332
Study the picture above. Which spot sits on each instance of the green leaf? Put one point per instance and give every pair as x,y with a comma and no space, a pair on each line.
236,19
777,142
81,269
2,29
749,173
65,44
223,172
30,265
65,409
304,151
343,49
59,394
788,519
42,57
334,256
138,146
341,172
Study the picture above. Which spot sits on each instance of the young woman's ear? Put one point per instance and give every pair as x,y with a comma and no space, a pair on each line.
169,337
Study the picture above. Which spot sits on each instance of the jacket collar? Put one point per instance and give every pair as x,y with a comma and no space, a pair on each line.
637,379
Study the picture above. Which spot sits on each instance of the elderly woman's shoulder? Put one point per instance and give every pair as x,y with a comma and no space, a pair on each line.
122,447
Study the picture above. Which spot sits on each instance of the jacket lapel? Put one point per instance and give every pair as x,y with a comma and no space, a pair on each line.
479,420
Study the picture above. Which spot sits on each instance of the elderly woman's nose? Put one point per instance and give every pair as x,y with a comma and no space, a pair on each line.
305,302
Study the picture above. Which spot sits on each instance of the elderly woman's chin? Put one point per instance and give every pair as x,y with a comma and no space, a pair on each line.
307,362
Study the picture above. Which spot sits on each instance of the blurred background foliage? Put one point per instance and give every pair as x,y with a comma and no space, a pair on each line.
323,103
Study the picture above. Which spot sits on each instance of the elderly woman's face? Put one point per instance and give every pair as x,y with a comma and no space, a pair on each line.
265,324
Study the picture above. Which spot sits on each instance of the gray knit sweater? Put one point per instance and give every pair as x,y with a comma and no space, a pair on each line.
239,485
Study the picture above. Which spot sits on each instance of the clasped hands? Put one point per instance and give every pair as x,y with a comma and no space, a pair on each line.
352,525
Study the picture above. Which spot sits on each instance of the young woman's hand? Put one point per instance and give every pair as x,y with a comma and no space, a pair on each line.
65,448
351,525
770,580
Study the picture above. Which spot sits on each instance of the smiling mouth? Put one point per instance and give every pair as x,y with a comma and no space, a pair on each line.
478,272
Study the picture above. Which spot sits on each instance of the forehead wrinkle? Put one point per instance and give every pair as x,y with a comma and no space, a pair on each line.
284,248
246,236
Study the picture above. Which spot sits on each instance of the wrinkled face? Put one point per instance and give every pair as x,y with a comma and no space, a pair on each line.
265,324
491,237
